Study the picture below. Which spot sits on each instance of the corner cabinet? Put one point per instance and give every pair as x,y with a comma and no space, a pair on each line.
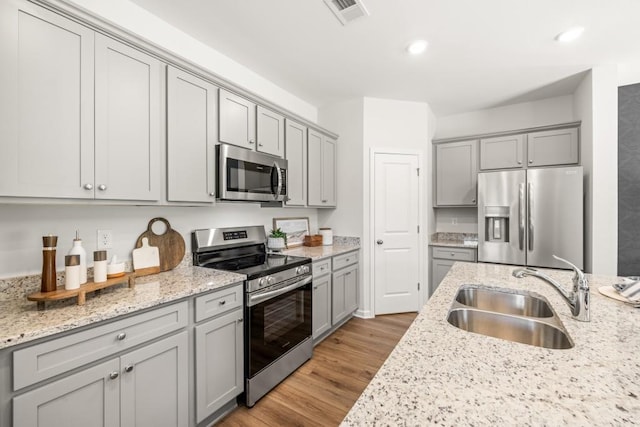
192,131
296,155
456,173
77,109
321,170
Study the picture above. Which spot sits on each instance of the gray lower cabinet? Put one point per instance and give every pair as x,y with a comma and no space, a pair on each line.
456,173
146,387
344,293
321,300
192,133
553,147
443,258
503,152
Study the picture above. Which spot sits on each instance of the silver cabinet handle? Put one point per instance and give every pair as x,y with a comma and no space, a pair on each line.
128,368
113,375
223,302
379,242
102,187
88,186
121,336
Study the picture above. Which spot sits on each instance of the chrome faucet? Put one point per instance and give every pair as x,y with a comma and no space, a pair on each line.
578,299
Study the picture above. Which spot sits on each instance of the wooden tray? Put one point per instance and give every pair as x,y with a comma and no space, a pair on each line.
81,292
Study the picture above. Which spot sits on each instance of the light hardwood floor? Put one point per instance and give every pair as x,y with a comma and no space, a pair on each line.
321,392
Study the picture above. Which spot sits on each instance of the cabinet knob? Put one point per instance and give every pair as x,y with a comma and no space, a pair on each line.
102,187
473,200
379,242
113,375
315,287
260,145
212,194
531,161
223,302
452,254
251,141
324,201
240,320
121,336
128,368
519,162
88,186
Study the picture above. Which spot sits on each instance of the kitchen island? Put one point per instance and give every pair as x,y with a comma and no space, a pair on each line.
439,374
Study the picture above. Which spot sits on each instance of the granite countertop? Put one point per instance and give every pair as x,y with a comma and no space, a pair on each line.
456,240
22,322
439,374
320,252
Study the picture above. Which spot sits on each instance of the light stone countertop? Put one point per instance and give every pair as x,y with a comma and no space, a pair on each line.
439,374
319,252
22,322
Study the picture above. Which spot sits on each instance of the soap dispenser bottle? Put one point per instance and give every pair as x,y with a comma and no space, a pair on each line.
77,249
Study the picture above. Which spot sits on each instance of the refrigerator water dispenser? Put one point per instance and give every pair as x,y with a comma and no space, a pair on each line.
496,222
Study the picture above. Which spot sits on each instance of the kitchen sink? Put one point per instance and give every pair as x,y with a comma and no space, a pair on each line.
506,301
508,314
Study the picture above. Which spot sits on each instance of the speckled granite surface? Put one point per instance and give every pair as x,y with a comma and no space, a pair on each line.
441,375
319,252
461,240
22,322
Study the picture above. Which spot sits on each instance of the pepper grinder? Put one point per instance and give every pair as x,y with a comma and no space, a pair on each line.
48,283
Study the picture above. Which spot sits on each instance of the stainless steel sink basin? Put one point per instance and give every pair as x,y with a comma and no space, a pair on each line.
508,314
512,328
504,301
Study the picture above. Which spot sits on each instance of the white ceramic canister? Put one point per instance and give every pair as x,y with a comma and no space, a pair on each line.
77,249
99,266
327,236
71,272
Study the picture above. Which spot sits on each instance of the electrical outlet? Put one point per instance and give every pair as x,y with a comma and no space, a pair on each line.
105,239
454,221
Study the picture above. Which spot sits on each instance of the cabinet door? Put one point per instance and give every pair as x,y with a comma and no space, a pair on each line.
344,293
321,170
219,362
329,173
154,384
351,290
503,152
439,269
456,173
321,305
191,137
296,155
553,147
46,104
89,398
128,107
237,124
270,132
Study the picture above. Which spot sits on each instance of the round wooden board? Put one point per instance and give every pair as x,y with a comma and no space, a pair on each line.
170,244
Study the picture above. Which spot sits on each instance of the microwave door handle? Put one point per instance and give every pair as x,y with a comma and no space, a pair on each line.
279,174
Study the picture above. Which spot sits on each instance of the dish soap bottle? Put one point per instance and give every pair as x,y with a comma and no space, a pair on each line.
77,249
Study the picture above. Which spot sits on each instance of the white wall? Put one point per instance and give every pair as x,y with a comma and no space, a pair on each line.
133,18
596,104
22,227
629,73
511,117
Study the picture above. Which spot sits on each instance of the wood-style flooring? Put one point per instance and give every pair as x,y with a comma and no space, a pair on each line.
321,392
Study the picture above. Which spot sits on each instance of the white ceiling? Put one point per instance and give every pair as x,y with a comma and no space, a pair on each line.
482,53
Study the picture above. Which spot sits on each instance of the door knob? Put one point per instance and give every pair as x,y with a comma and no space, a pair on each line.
379,242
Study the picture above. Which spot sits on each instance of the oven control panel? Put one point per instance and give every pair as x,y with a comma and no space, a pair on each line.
279,277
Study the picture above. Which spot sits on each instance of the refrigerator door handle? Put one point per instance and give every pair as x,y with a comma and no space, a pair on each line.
530,215
521,214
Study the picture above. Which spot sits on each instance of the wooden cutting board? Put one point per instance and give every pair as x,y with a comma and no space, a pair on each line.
170,244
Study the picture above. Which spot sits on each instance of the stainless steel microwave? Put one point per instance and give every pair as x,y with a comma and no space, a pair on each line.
245,175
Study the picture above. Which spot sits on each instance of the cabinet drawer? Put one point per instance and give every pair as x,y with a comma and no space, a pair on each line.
50,358
218,302
322,267
345,260
458,254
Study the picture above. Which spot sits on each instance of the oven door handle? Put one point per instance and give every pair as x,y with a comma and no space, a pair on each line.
261,297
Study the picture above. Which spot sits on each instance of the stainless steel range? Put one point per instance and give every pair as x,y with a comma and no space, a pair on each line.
277,302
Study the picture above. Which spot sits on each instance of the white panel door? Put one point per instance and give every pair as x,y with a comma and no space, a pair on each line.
396,219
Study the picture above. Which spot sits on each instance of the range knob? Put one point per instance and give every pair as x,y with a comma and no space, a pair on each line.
303,269
262,282
270,280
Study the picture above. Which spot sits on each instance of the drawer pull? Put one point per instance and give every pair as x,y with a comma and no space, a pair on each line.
240,320
223,302
121,336
113,375
347,260
128,368
453,254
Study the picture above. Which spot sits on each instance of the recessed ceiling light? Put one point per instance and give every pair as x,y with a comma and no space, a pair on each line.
570,35
417,47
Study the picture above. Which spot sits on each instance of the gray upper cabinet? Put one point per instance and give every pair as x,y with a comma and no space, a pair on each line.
46,106
296,155
128,108
321,170
191,137
270,132
504,152
237,120
553,147
456,173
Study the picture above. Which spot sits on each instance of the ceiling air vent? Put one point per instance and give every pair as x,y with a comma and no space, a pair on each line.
347,10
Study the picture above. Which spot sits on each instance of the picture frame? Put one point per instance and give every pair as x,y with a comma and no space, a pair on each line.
295,229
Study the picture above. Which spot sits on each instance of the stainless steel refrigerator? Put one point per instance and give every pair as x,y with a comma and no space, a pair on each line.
527,216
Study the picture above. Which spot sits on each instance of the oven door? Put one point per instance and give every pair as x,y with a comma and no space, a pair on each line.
248,175
277,320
